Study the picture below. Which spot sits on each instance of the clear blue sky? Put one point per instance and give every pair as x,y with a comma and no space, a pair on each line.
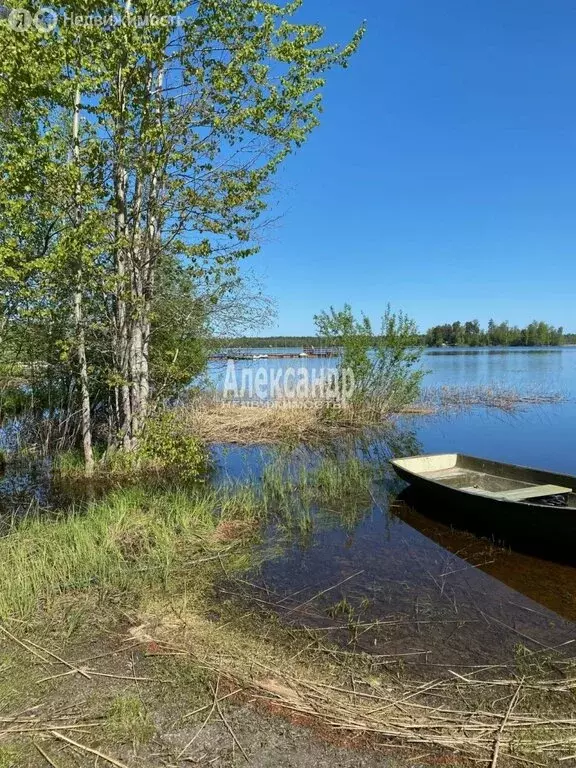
443,175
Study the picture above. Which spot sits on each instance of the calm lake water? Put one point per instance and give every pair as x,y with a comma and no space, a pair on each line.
439,596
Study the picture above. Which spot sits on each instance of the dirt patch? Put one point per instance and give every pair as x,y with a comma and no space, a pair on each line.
134,703
268,742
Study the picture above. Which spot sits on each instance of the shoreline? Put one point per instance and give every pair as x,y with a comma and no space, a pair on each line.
133,674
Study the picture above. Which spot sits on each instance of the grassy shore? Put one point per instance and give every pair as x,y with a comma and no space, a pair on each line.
139,539
128,621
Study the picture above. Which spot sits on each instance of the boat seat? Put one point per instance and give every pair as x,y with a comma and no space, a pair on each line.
445,474
519,494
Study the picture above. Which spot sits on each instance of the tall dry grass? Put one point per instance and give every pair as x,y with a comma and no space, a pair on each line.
315,419
294,421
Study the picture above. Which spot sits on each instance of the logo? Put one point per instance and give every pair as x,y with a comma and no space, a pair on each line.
46,19
20,20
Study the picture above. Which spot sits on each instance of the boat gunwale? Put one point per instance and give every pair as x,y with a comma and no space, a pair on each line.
520,504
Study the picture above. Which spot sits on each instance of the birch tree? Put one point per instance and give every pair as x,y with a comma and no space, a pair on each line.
179,114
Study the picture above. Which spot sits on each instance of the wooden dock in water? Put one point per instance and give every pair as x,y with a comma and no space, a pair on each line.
307,352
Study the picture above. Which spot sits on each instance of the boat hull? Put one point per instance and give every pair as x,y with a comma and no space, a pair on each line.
540,526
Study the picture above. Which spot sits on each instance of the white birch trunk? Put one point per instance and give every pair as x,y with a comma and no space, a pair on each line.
78,309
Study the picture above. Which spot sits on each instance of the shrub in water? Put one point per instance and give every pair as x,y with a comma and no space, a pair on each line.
165,443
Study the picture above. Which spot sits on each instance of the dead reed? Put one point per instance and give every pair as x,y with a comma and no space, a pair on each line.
314,420
476,716
297,421
497,396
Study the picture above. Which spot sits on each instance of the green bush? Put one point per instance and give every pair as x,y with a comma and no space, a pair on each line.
165,444
382,367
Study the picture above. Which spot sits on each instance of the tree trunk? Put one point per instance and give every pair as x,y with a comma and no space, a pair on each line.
84,382
78,310
143,256
151,253
122,319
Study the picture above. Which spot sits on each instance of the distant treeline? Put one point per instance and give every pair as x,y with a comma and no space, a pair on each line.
274,341
467,334
470,334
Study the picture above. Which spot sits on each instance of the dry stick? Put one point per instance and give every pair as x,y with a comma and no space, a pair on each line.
466,568
206,706
229,727
45,756
106,674
111,653
49,728
20,718
22,644
54,677
199,731
530,762
231,621
509,711
323,592
422,689
62,661
92,751
131,677
517,631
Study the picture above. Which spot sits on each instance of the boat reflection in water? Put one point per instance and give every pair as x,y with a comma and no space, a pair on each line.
526,569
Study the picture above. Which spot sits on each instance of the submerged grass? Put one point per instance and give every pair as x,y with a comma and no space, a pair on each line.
138,540
497,396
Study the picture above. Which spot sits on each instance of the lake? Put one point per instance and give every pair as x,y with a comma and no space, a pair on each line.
394,582
435,595
539,435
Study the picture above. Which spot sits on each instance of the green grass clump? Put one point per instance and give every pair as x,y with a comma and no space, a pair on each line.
131,542
128,720
9,757
337,484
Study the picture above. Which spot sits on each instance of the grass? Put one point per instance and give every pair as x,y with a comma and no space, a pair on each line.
136,541
342,483
117,548
140,567
128,720
9,757
72,582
